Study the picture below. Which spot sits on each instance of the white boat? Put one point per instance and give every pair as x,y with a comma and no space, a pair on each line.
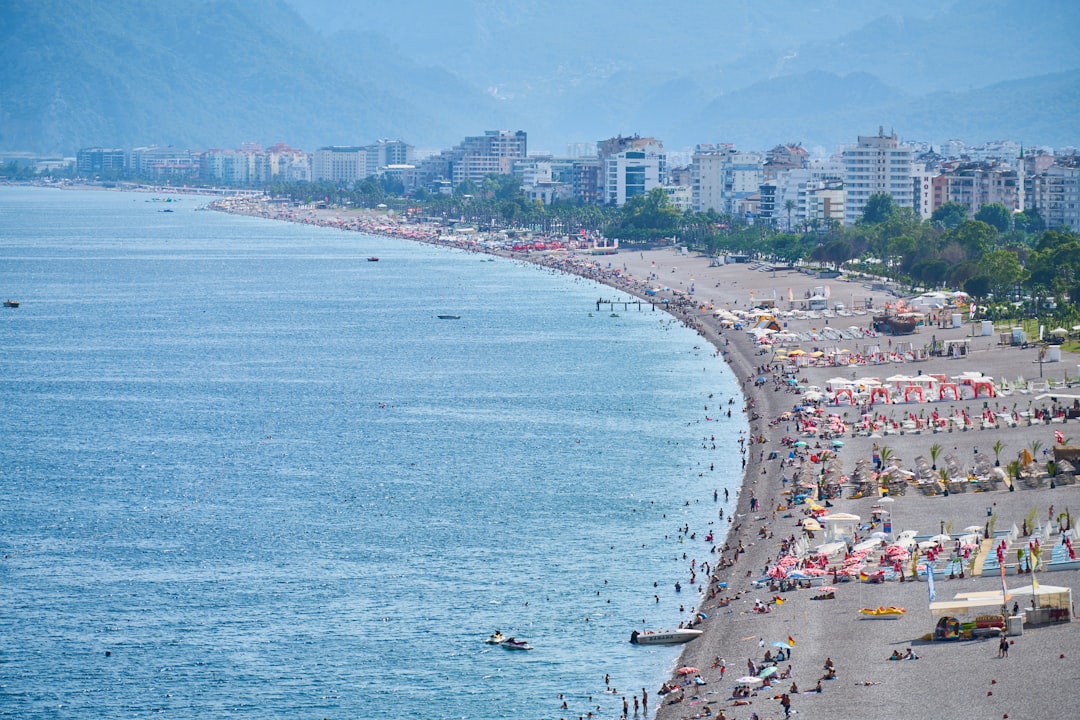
664,637
515,644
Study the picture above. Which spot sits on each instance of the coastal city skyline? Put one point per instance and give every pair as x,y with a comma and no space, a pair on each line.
782,186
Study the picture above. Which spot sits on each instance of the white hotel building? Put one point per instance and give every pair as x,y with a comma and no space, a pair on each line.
878,164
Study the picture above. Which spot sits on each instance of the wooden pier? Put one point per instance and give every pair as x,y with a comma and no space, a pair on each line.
612,305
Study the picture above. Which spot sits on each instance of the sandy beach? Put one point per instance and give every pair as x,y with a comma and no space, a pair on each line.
951,679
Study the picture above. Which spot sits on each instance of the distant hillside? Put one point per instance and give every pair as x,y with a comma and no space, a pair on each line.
210,74
217,73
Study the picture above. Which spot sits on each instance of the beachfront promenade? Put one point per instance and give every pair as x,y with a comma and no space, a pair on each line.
811,449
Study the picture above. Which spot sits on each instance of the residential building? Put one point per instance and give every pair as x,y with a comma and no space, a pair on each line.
792,188
823,202
162,163
783,158
630,166
388,152
1055,193
229,167
974,184
89,161
767,210
878,164
282,163
586,180
546,178
680,196
721,177
340,164
493,153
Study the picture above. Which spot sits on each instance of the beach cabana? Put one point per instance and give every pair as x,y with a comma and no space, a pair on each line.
840,526
1044,604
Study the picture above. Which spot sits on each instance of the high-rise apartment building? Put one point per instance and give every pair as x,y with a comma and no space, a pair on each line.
722,177
1055,193
339,164
476,157
877,164
629,166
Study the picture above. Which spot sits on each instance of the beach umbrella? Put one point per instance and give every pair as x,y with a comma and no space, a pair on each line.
838,443
767,672
750,680
800,444
781,644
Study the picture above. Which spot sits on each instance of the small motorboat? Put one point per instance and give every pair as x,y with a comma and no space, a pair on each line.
11,303
495,638
373,259
664,637
515,644
449,317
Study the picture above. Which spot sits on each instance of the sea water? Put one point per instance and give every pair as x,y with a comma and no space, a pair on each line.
245,472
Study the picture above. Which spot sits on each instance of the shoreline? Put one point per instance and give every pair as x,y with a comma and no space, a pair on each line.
830,628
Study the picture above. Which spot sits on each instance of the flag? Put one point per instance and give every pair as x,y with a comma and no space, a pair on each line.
1059,437
863,576
1004,588
930,581
790,641
790,295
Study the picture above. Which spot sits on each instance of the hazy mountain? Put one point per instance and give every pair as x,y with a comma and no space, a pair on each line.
211,74
215,73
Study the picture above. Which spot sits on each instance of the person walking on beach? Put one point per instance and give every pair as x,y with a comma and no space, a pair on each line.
645,701
1003,647
785,702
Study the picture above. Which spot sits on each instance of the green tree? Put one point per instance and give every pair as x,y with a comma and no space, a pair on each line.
879,208
949,215
974,236
645,217
1029,221
1003,271
995,215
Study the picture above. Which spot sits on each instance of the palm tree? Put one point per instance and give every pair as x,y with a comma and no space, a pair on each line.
884,455
789,205
997,448
943,474
935,451
1014,473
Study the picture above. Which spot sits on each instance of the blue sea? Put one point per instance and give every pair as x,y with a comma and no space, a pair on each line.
247,473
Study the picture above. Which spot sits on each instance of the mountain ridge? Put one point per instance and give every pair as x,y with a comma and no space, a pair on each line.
217,73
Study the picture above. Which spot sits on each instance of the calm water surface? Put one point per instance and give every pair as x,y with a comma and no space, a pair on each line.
247,473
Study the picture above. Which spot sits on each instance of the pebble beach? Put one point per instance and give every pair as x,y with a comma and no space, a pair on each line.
959,679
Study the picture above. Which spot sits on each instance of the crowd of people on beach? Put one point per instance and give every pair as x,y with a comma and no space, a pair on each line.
788,461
